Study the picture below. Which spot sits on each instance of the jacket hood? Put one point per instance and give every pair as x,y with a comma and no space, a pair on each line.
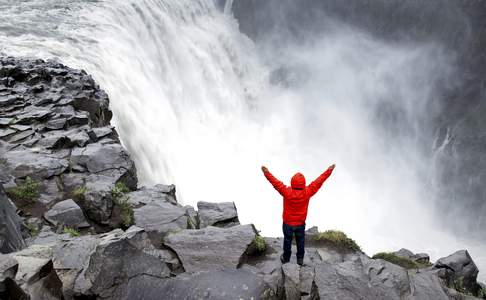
298,181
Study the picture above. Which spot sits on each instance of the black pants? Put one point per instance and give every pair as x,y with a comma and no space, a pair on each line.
289,232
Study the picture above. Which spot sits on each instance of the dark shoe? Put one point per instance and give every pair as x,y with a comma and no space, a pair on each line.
300,261
283,260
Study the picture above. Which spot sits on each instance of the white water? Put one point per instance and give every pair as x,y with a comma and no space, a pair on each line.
193,104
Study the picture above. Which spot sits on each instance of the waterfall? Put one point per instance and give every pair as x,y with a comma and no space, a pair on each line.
199,105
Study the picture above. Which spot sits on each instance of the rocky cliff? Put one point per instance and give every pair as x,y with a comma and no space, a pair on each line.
75,224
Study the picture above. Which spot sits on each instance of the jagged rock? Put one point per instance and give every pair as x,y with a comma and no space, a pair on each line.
160,219
37,277
109,160
98,133
336,282
218,285
27,162
115,265
423,258
464,271
291,281
405,253
419,257
192,217
8,287
222,214
10,230
383,275
97,201
66,213
159,193
426,285
211,248
306,277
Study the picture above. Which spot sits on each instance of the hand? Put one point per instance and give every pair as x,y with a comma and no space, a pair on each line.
264,169
332,167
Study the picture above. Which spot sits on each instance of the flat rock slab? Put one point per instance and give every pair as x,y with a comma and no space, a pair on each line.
211,248
160,218
217,285
157,194
67,213
27,162
222,214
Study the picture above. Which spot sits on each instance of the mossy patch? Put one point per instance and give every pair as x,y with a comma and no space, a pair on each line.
335,239
27,191
482,293
78,192
33,231
260,244
398,260
118,192
73,232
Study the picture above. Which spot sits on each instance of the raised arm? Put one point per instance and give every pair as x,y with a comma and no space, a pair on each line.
277,184
316,184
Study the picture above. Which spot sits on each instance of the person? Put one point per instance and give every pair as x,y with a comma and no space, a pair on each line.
295,203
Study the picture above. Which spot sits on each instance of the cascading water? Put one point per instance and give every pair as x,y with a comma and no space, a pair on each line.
198,105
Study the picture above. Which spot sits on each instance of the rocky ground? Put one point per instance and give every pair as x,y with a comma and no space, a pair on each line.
75,225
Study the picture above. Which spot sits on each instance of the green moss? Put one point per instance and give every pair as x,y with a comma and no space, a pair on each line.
73,232
33,231
122,201
482,293
28,190
336,239
79,192
126,211
397,260
259,243
119,190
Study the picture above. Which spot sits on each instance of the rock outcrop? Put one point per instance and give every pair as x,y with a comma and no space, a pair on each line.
64,168
10,234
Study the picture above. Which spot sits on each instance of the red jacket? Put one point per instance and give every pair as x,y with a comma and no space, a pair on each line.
296,197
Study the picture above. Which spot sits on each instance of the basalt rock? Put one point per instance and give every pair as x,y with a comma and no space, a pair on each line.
67,213
10,225
211,248
222,214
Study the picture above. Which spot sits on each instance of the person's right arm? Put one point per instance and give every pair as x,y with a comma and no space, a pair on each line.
277,184
316,184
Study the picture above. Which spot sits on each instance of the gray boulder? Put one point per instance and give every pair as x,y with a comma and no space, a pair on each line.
426,285
156,210
222,214
405,253
116,265
66,213
359,278
109,160
291,281
419,257
8,287
461,272
10,229
37,277
27,162
97,201
160,219
211,248
158,193
217,285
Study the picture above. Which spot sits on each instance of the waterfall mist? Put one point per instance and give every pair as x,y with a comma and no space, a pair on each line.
200,105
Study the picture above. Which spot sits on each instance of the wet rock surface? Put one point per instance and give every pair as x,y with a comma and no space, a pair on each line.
75,225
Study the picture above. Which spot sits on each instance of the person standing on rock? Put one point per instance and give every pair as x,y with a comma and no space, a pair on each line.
295,201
